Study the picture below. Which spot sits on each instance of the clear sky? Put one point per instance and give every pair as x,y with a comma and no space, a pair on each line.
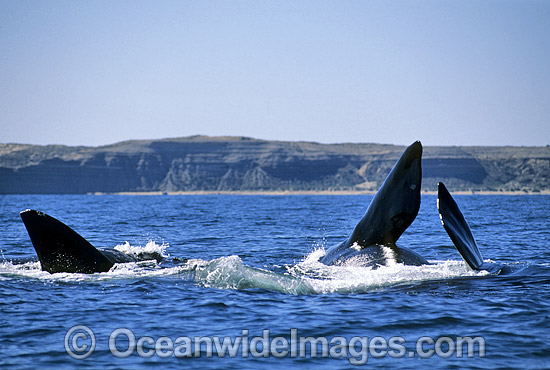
445,72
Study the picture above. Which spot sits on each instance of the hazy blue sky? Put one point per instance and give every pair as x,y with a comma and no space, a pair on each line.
445,72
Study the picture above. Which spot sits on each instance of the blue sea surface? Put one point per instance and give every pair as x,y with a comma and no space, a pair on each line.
245,267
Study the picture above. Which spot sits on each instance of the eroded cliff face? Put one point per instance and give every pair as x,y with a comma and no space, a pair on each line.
242,164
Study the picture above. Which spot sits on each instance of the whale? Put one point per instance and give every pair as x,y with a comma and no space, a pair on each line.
61,249
392,210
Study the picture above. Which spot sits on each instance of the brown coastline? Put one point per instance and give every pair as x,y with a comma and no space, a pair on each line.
238,165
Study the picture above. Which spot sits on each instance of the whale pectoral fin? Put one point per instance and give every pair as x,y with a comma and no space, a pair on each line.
391,211
60,248
396,204
457,228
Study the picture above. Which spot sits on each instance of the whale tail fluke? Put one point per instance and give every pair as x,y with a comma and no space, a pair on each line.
60,248
457,228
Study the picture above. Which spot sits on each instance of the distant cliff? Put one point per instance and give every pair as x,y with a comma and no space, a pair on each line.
201,163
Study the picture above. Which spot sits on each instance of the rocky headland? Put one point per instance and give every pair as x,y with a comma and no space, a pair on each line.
231,164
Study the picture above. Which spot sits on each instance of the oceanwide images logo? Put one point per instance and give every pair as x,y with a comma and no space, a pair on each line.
76,342
80,342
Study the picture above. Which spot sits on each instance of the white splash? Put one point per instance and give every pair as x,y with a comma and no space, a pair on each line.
347,279
151,248
389,256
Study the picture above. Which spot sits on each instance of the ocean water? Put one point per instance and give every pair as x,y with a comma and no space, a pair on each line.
243,270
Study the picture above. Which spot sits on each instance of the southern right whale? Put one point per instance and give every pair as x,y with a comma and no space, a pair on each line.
391,211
